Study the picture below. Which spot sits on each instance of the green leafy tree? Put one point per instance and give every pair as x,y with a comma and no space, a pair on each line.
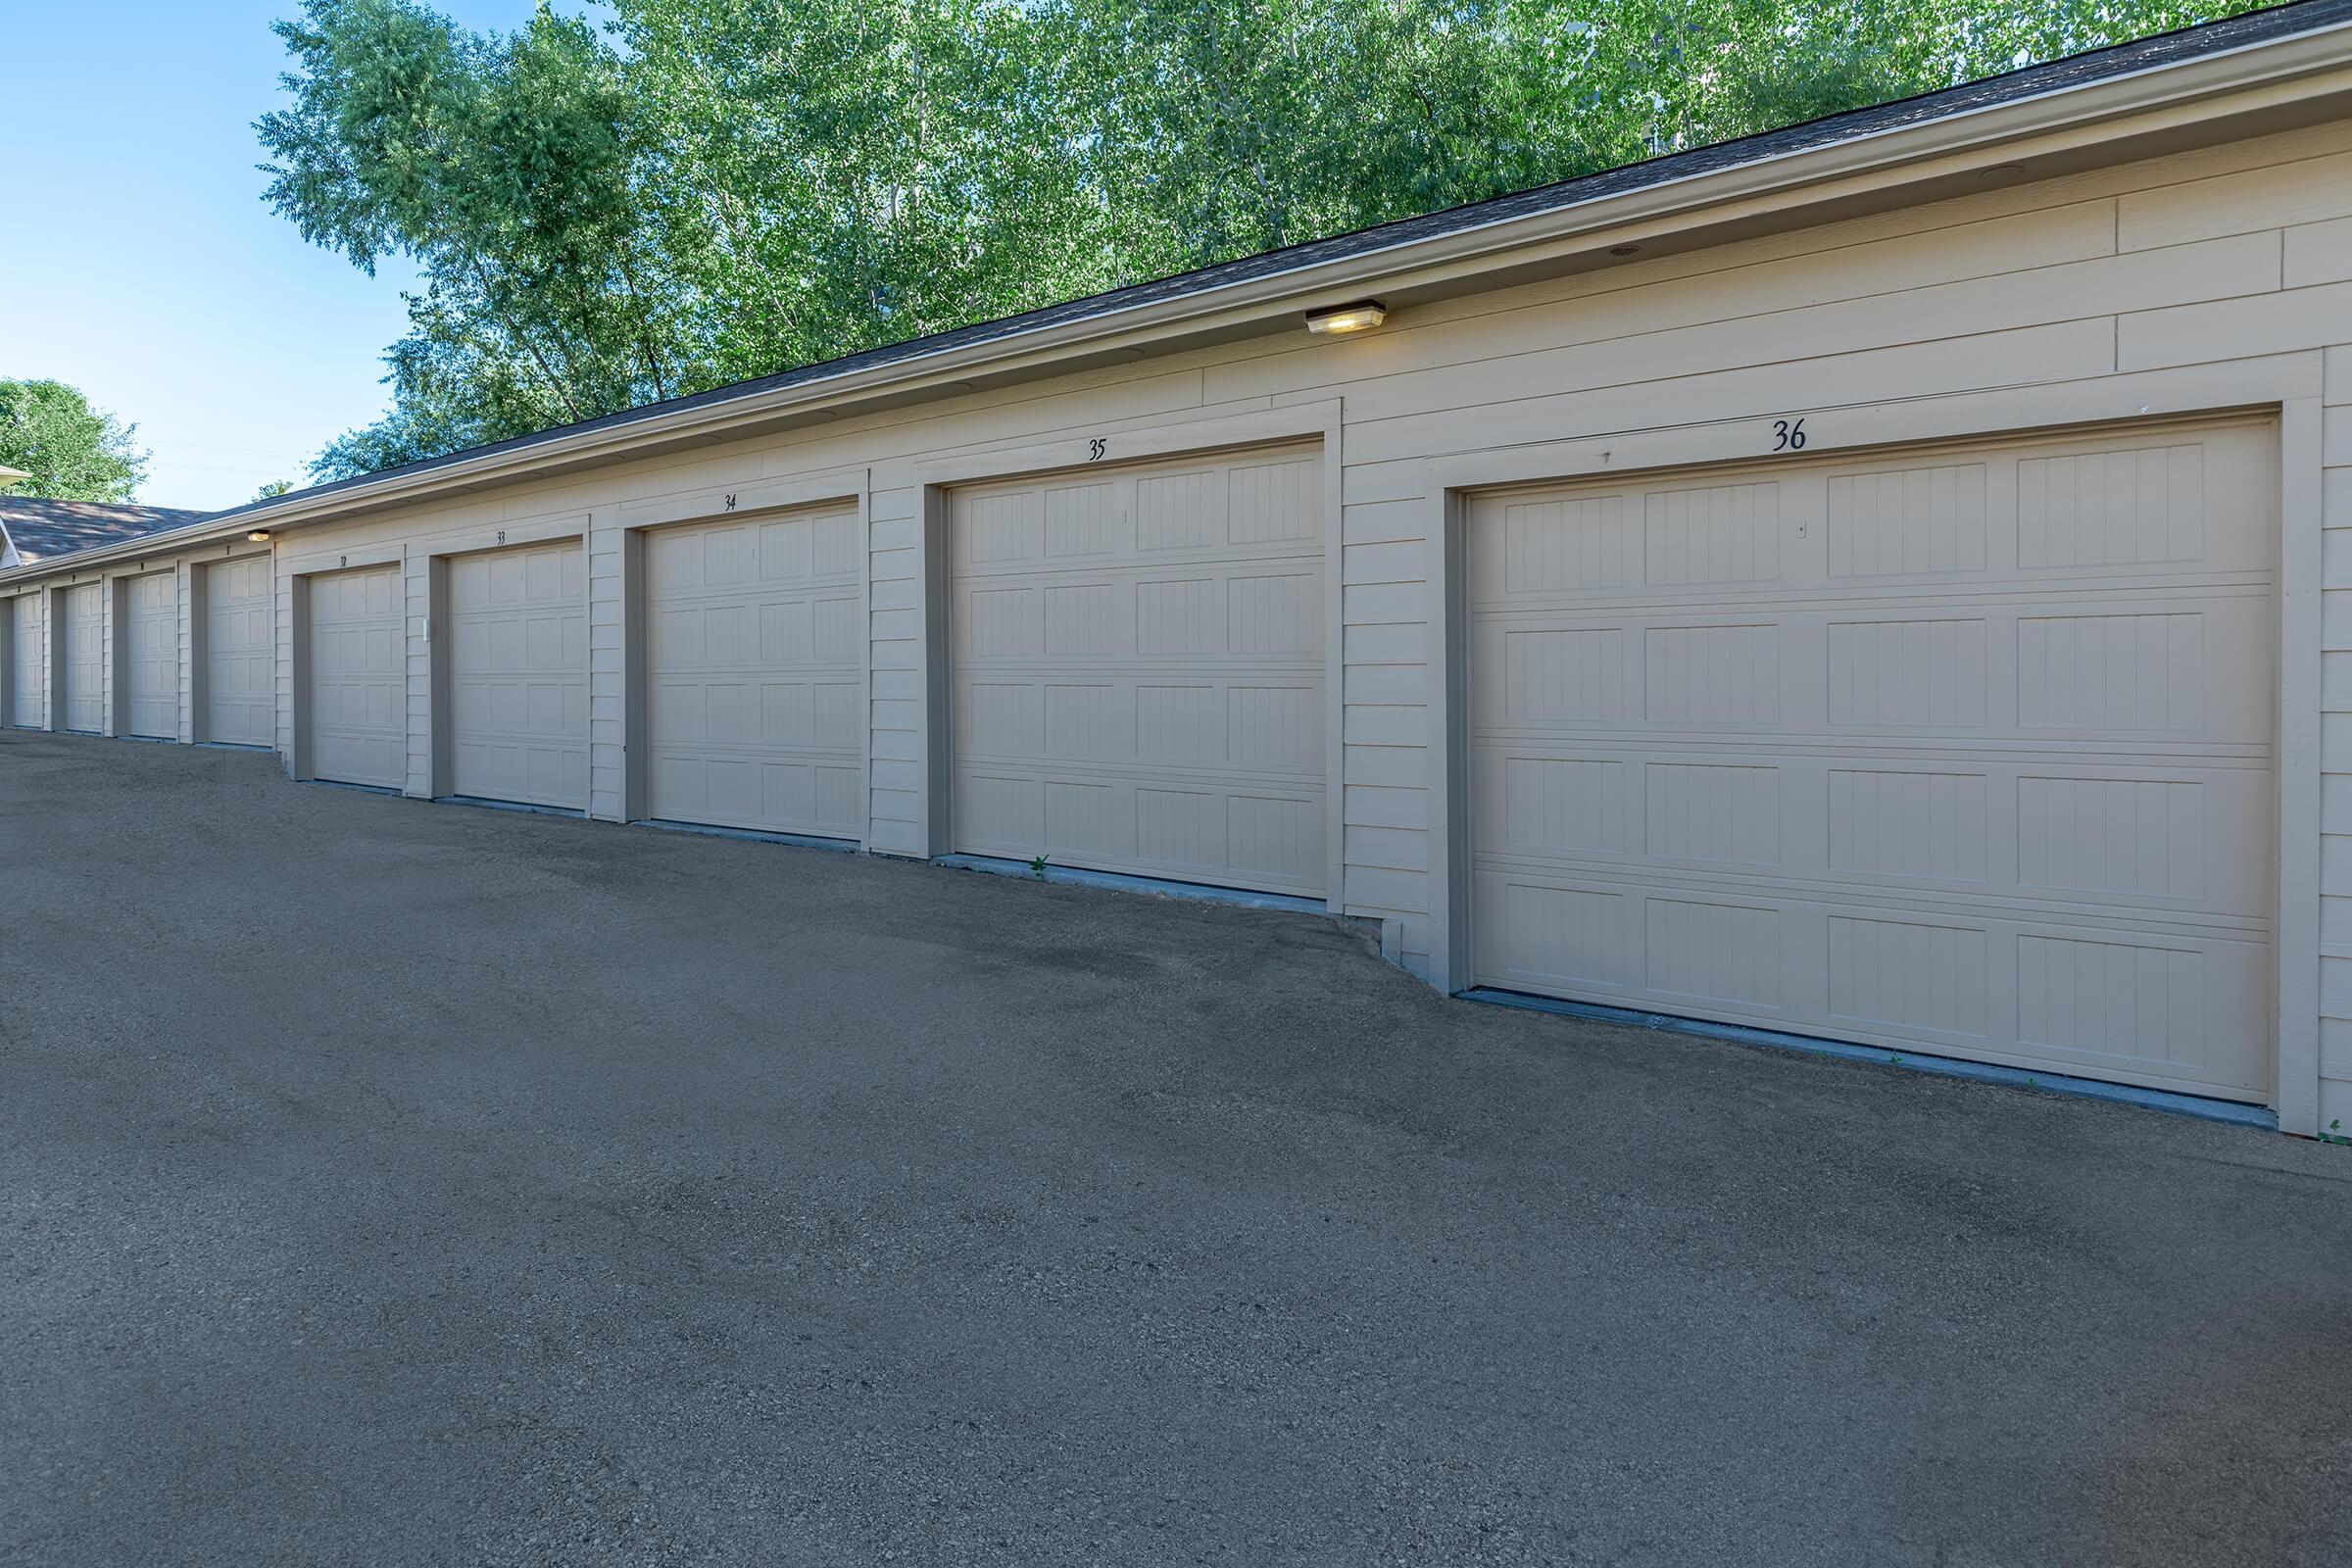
72,450
732,187
502,166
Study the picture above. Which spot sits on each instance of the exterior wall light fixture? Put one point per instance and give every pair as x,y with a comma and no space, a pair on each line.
259,537
1339,320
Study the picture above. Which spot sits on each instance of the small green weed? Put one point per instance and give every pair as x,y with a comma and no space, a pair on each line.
1037,868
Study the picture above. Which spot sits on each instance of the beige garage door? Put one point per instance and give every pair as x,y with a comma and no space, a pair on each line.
240,693
1138,661
754,690
81,644
359,679
519,675
28,703
1967,751
151,647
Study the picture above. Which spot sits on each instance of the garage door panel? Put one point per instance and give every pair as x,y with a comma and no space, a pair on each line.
2130,832
1138,669
1262,729
151,649
2137,1005
1209,511
2183,669
519,675
808,797
240,653
2186,503
1199,827
755,692
1974,757
29,695
81,644
357,696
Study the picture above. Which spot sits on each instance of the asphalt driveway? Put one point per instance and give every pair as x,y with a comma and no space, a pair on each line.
384,1183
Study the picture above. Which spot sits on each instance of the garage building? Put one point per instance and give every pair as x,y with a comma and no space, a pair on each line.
1876,581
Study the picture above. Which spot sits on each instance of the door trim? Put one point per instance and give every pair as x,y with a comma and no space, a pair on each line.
1119,445
2287,388
850,487
440,647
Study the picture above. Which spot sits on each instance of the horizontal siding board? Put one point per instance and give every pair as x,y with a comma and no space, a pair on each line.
2228,329
2335,742
2318,252
2335,619
1386,603
1391,562
1387,683
901,503
1387,726
2335,927
2072,350
2335,682
1375,522
1387,888
1386,849
2335,559
1367,482
1404,642
2238,264
2302,191
2336,866
2336,1049
1381,806
2336,804
1703,297
1403,766
2336,987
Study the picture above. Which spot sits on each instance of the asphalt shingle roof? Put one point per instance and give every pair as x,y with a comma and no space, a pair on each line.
41,528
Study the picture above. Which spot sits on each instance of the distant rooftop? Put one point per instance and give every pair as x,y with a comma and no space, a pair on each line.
35,527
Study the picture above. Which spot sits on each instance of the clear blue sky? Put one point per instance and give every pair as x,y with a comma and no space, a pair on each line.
138,262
